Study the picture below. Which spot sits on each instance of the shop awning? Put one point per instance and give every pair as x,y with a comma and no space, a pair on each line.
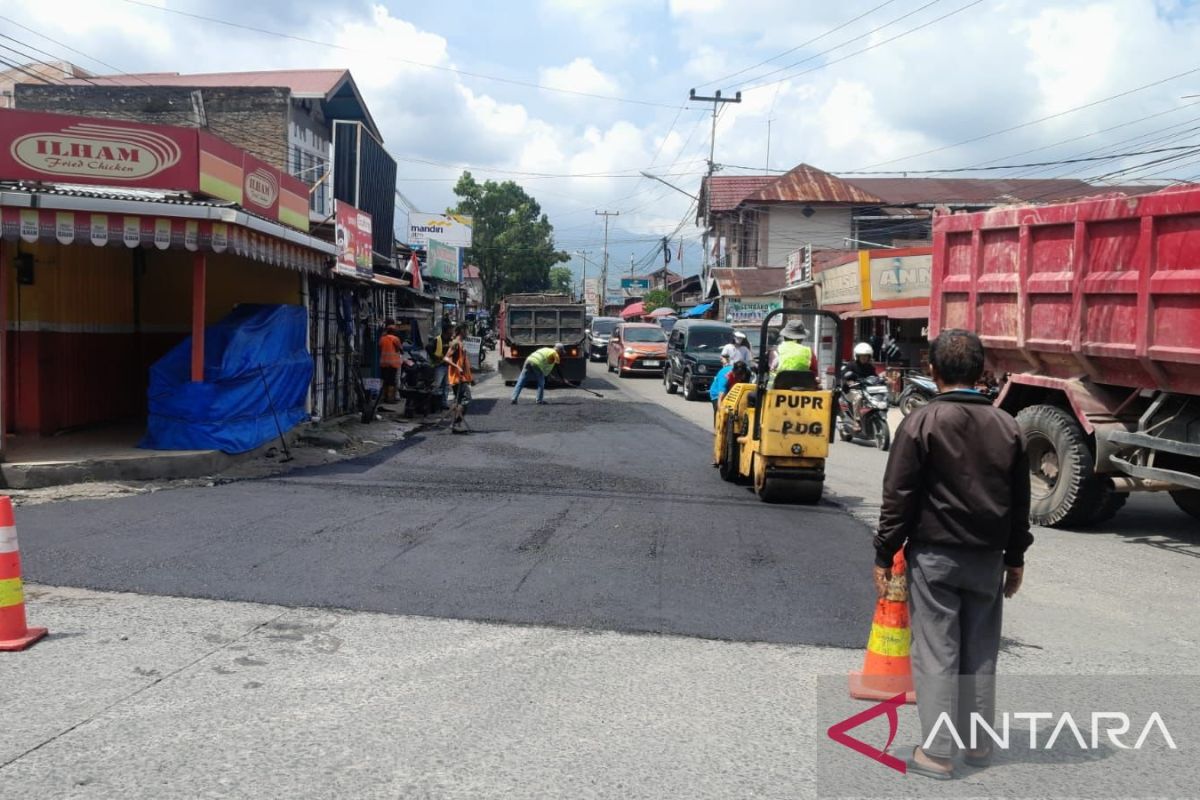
903,312
697,311
86,217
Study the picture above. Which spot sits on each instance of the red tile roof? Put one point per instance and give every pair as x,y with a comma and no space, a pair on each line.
805,184
301,82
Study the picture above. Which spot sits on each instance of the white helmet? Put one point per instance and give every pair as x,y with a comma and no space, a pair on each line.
863,349
560,347
739,336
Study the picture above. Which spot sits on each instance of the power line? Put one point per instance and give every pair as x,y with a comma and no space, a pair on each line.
1039,120
813,40
1021,166
439,67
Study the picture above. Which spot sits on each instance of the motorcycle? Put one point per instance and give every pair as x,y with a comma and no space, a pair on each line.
918,390
416,384
864,414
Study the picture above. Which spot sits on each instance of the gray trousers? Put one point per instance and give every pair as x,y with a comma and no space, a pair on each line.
955,599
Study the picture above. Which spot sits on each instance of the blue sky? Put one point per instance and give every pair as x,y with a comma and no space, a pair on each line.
964,82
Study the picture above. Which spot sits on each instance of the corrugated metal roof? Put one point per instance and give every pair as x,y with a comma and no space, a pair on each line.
807,184
748,282
301,82
985,191
728,191
115,193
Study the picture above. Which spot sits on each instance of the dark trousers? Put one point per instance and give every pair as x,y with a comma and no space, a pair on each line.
955,598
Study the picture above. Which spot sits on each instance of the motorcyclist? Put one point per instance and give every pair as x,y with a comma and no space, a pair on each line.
854,373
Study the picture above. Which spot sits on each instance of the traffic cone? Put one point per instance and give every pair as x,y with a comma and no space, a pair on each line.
14,634
887,669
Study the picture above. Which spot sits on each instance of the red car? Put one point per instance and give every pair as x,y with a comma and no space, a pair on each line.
637,347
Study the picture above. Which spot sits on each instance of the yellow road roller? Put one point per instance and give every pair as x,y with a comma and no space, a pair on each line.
774,434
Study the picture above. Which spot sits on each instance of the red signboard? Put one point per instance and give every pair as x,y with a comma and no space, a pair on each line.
60,148
353,241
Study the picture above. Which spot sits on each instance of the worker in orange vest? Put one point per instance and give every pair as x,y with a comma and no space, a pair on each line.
458,363
390,357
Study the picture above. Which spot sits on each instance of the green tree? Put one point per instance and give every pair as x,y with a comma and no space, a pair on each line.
561,280
512,241
656,298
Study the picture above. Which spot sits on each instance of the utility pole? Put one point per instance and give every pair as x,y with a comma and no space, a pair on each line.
604,268
716,100
583,254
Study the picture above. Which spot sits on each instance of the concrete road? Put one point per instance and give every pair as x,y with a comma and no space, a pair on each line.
599,519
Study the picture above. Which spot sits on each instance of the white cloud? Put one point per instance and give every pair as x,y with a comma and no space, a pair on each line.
580,75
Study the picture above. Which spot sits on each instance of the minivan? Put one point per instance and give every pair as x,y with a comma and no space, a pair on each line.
694,356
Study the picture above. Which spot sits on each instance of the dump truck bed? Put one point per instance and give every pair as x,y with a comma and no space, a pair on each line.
1106,288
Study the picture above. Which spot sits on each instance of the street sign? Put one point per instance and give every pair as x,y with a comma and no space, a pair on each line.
635,283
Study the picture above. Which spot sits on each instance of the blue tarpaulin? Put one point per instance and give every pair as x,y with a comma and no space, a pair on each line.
255,350
698,311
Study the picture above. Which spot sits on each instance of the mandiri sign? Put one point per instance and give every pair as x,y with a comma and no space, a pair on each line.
450,229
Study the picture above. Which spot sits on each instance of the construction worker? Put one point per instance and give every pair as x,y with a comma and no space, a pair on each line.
438,345
390,358
540,364
792,355
458,369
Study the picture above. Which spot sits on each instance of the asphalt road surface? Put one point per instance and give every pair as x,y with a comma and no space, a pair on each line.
587,512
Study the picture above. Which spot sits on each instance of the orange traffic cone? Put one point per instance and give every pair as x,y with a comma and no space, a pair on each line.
14,634
887,670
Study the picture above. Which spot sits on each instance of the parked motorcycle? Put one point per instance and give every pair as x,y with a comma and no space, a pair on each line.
918,390
416,384
862,410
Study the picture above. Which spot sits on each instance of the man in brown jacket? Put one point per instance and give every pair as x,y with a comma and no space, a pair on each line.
956,497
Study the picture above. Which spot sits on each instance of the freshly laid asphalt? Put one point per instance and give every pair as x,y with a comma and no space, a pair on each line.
589,513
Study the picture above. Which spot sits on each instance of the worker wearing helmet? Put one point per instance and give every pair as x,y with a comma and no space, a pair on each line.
792,354
539,365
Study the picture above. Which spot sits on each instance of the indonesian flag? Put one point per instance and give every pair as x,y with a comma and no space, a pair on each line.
414,269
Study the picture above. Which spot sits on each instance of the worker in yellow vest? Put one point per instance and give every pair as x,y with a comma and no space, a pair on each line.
539,365
792,355
438,345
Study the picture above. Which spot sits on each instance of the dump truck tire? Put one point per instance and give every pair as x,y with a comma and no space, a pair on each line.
1063,489
1108,505
1188,501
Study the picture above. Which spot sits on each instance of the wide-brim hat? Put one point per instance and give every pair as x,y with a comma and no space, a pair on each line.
794,330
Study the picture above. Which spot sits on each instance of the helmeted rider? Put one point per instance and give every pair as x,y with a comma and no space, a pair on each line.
863,365
792,354
738,350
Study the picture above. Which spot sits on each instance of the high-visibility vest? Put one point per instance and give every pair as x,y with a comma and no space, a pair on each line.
794,357
389,351
543,359
439,346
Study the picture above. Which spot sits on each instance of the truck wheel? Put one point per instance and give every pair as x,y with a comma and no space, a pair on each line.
1188,501
689,390
730,453
1109,504
1062,488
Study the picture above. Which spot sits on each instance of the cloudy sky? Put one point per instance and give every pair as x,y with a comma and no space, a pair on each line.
573,98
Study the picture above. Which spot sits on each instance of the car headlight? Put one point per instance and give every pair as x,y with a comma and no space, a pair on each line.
628,351
701,369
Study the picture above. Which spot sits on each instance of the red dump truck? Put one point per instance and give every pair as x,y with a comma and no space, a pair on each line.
1092,309
530,321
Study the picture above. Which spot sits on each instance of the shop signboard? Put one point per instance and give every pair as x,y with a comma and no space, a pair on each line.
63,148
747,310
840,285
449,229
442,261
901,277
474,348
353,231
635,283
799,266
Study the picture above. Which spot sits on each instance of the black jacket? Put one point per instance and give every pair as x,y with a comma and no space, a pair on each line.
957,476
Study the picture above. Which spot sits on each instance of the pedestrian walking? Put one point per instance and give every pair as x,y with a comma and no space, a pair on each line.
956,497
390,358
437,347
460,377
540,364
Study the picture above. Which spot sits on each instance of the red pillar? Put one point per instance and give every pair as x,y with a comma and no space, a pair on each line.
3,342
198,280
